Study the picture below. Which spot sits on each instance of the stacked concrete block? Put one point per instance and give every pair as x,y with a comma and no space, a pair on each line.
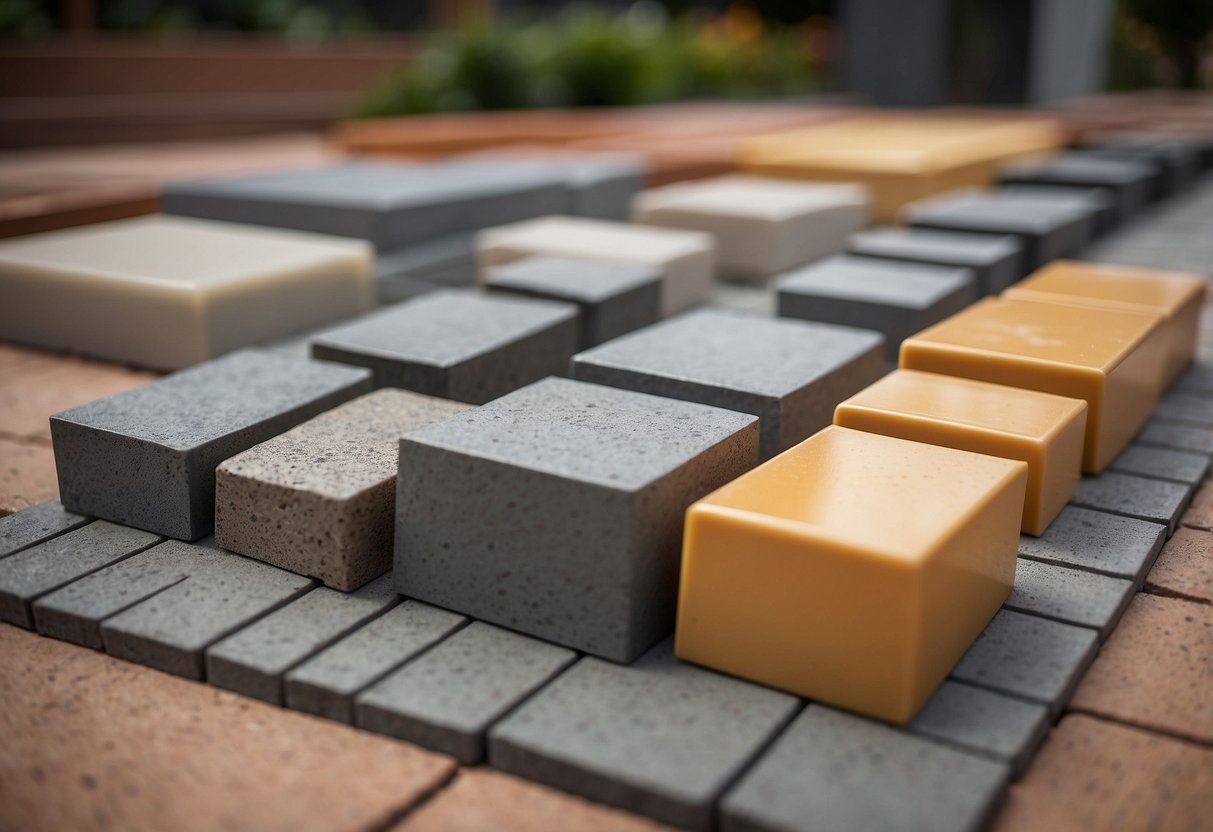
995,260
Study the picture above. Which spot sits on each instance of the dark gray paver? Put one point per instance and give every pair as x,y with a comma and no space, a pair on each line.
1189,408
1162,463
1131,181
35,524
1071,595
996,260
1166,434
1101,201
1158,501
1099,542
1179,159
1196,379
979,720
596,185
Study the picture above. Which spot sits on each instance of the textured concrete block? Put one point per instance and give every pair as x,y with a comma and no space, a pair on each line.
1189,408
457,344
253,661
447,698
1131,182
831,770
1167,434
1162,463
557,510
35,524
995,260
788,373
893,298
660,737
147,457
320,499
1141,497
984,722
1074,596
325,685
1098,542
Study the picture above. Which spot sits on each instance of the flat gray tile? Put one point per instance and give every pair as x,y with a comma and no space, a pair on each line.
1162,463
35,524
982,721
1176,435
1107,544
1189,408
1071,595
1141,497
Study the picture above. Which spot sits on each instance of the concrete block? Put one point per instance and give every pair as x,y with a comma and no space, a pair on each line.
995,260
1131,182
1165,434
447,698
893,298
788,373
1098,542
1100,201
599,185
147,457
1140,497
457,344
557,510
981,721
1162,463
253,661
1074,596
1197,379
660,737
1189,408
320,499
37,523
1177,160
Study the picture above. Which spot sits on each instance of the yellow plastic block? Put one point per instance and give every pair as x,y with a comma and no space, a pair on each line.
854,569
1041,429
1177,296
1110,358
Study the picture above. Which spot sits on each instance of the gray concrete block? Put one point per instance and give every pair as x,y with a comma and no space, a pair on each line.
981,721
1158,501
894,298
597,185
447,698
326,684
432,260
1100,201
557,510
613,298
1162,463
1030,657
996,260
147,457
457,344
1188,408
660,738
791,374
832,770
1196,379
1130,182
253,660
48,565
1165,434
1074,596
1178,160
1098,542
35,524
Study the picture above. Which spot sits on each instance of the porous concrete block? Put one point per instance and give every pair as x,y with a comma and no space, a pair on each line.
1098,542
326,684
557,510
896,299
147,457
1188,408
1162,463
613,298
660,737
981,721
1130,181
253,660
1166,434
1144,498
32,525
320,499
832,770
788,373
457,344
1074,596
447,698
995,259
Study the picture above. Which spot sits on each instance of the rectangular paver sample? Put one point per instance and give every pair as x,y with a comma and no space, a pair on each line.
996,260
24,528
1163,463
1098,542
1074,596
1144,498
979,720
598,185
1129,181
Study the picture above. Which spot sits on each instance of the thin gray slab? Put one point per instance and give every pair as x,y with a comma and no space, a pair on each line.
791,374
1101,201
457,344
1030,657
660,738
1130,181
326,684
996,260
1144,498
557,510
24,528
1162,463
985,722
832,770
254,660
1189,408
1074,596
146,457
447,698
894,298
1167,434
1106,544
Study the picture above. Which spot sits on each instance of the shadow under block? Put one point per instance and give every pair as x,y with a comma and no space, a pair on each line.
685,259
1130,182
1110,358
1043,430
147,457
169,292
851,545
894,298
457,344
319,500
788,373
762,226
995,259
557,510
35,524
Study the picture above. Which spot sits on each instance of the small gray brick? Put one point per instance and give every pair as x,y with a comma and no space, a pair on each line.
996,260
1131,181
1099,200
447,698
832,770
979,720
1140,497
1099,542
1070,595
1176,435
1197,379
35,524
1188,408
1162,463
327,683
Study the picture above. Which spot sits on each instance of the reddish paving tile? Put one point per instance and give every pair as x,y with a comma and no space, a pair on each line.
27,475
90,742
1092,774
1184,568
1156,670
1200,513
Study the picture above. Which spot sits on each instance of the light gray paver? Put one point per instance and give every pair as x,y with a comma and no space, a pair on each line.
1162,463
1071,595
1099,542
996,260
37,523
983,721
1141,497
1176,435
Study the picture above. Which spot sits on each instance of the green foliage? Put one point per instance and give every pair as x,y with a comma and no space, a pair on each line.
22,19
1179,32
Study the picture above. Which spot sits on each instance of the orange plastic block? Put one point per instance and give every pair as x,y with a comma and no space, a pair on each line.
1043,430
1177,296
1110,358
854,569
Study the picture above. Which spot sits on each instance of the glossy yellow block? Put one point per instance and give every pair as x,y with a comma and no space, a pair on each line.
1041,429
1177,296
853,569
1110,358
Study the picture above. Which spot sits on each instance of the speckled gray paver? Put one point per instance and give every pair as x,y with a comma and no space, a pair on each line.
1162,463
661,737
1034,658
996,260
1166,434
253,660
1106,544
147,457
1188,408
447,698
49,565
1130,181
832,770
326,684
458,344
1074,596
896,299
37,523
613,298
320,499
983,721
557,510
1158,501
790,374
